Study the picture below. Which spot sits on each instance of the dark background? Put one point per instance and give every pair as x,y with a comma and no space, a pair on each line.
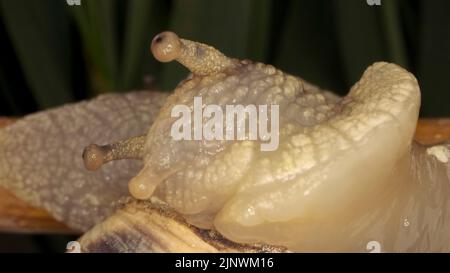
53,53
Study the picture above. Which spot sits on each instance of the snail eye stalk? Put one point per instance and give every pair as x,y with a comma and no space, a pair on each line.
94,156
200,59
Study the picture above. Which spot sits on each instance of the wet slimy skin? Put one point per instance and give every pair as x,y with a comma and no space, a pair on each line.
346,171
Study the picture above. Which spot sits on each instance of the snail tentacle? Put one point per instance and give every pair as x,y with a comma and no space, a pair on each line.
94,156
200,59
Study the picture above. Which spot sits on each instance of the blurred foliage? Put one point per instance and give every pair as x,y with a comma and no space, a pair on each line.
53,53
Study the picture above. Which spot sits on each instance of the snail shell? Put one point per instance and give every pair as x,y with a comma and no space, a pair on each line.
140,226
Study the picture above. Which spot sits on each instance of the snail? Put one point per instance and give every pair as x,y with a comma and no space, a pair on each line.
346,170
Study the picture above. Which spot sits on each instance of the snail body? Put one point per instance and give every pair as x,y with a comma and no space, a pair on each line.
346,171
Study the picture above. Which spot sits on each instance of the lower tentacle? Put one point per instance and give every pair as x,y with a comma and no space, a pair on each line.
95,156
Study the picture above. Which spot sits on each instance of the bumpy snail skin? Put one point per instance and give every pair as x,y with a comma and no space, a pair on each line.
40,155
95,156
346,171
200,59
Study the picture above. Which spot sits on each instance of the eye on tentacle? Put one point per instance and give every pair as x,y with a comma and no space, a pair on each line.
199,58
143,184
94,156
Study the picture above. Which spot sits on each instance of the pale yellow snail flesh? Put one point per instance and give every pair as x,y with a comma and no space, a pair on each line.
346,171
339,163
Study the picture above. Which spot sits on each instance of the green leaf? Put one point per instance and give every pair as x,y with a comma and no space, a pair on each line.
143,20
307,44
434,58
39,32
7,97
259,30
97,23
360,37
393,32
